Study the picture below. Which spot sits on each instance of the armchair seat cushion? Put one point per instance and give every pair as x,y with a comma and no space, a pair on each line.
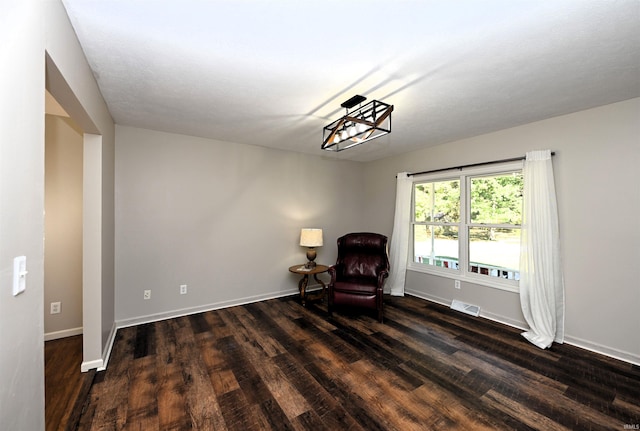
354,300
365,286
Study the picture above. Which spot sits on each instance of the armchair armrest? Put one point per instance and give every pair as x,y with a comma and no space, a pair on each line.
381,277
334,271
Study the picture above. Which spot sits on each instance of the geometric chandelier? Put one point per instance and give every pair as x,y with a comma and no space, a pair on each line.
358,125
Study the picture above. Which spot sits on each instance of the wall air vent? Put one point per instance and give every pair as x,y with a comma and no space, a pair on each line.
473,310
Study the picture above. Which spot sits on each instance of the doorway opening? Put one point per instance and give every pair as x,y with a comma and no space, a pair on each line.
63,150
63,223
89,335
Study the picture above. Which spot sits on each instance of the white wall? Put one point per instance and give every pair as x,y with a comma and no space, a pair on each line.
598,154
28,28
222,218
63,227
70,80
21,213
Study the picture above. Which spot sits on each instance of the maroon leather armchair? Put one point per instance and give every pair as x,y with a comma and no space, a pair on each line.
359,273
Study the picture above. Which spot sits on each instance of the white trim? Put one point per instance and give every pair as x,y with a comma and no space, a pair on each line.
202,308
89,365
457,274
106,354
504,320
101,364
55,335
610,352
487,315
427,297
603,350
92,248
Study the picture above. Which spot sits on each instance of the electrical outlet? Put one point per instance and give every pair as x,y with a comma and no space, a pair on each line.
457,284
55,308
147,294
183,289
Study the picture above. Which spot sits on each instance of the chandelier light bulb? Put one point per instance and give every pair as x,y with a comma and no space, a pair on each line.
343,135
362,127
353,131
336,138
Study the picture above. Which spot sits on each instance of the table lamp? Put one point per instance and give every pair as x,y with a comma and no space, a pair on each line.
311,238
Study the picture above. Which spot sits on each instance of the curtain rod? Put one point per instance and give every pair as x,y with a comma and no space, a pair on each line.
514,159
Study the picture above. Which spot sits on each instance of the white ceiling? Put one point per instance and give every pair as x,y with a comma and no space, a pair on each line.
273,73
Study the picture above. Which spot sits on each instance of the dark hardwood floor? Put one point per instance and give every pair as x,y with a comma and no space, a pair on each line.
276,365
66,387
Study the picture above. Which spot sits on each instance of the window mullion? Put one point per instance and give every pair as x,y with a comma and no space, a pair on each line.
463,242
411,253
495,225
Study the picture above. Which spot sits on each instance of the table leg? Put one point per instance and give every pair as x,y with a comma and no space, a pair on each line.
324,286
302,287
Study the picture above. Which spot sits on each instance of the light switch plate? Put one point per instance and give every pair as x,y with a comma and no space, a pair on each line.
19,275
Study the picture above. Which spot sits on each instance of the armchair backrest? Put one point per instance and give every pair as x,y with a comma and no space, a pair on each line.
362,254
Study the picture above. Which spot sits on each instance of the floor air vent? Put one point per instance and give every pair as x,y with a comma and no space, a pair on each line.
473,310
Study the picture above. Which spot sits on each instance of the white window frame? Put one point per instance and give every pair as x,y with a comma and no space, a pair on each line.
462,273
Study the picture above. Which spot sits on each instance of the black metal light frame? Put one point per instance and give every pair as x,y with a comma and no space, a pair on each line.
357,126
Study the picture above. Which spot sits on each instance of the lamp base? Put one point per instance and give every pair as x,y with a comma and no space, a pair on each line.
311,256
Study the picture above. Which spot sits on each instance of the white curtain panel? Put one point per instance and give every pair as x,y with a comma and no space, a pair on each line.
398,253
541,282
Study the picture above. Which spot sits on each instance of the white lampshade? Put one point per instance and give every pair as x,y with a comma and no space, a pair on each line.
311,237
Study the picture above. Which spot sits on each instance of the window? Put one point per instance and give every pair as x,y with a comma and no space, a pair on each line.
468,226
437,221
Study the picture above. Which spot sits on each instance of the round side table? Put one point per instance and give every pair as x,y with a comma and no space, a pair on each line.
302,284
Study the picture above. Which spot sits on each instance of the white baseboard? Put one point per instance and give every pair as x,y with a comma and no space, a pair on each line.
62,334
101,364
487,315
106,354
432,298
603,350
89,365
86,365
202,308
504,320
574,341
